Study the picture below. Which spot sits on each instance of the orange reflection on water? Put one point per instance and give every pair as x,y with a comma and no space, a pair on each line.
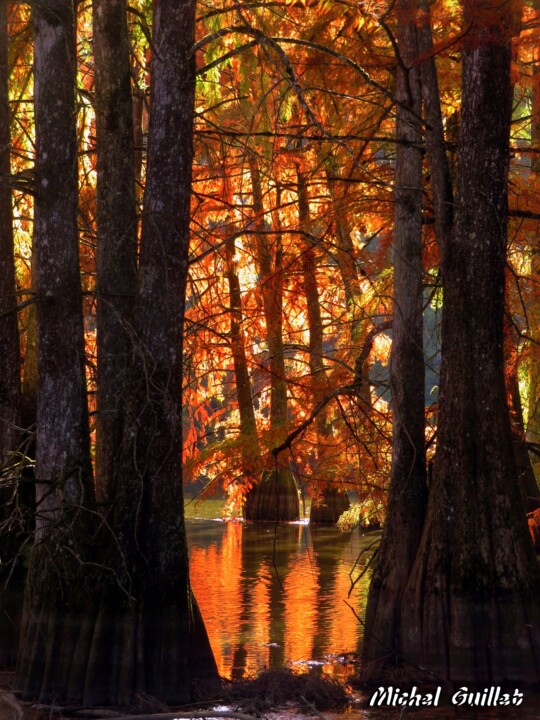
215,579
301,595
343,625
271,596
258,629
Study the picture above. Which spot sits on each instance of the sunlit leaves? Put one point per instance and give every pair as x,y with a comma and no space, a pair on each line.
275,84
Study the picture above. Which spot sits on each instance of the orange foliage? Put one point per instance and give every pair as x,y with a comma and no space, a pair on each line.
302,87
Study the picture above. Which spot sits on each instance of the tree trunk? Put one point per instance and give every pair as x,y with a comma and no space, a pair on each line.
407,495
149,635
346,259
275,497
116,232
329,500
471,608
250,447
344,252
439,166
59,588
142,632
11,578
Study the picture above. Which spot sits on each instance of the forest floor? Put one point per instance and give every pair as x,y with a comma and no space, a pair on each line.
274,695
271,691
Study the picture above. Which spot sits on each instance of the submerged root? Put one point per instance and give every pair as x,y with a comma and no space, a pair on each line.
330,506
274,498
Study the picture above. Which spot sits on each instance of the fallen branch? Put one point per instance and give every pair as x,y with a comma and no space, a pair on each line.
11,701
188,716
313,709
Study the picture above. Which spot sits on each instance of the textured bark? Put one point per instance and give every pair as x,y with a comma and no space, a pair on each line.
116,232
407,495
471,608
58,589
174,618
149,636
439,166
10,394
127,622
30,377
275,497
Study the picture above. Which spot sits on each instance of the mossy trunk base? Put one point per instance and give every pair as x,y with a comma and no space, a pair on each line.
274,498
85,640
327,510
488,640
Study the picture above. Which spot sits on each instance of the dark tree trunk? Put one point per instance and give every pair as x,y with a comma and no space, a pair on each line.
116,232
149,635
439,166
275,497
174,617
407,496
471,608
142,631
11,577
59,590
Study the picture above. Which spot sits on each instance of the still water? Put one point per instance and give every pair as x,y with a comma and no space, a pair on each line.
278,595
291,595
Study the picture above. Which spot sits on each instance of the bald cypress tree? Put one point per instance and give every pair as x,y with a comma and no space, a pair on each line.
469,606
471,609
408,490
58,589
109,611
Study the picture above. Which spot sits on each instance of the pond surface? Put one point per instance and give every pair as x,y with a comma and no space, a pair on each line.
289,595
278,595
